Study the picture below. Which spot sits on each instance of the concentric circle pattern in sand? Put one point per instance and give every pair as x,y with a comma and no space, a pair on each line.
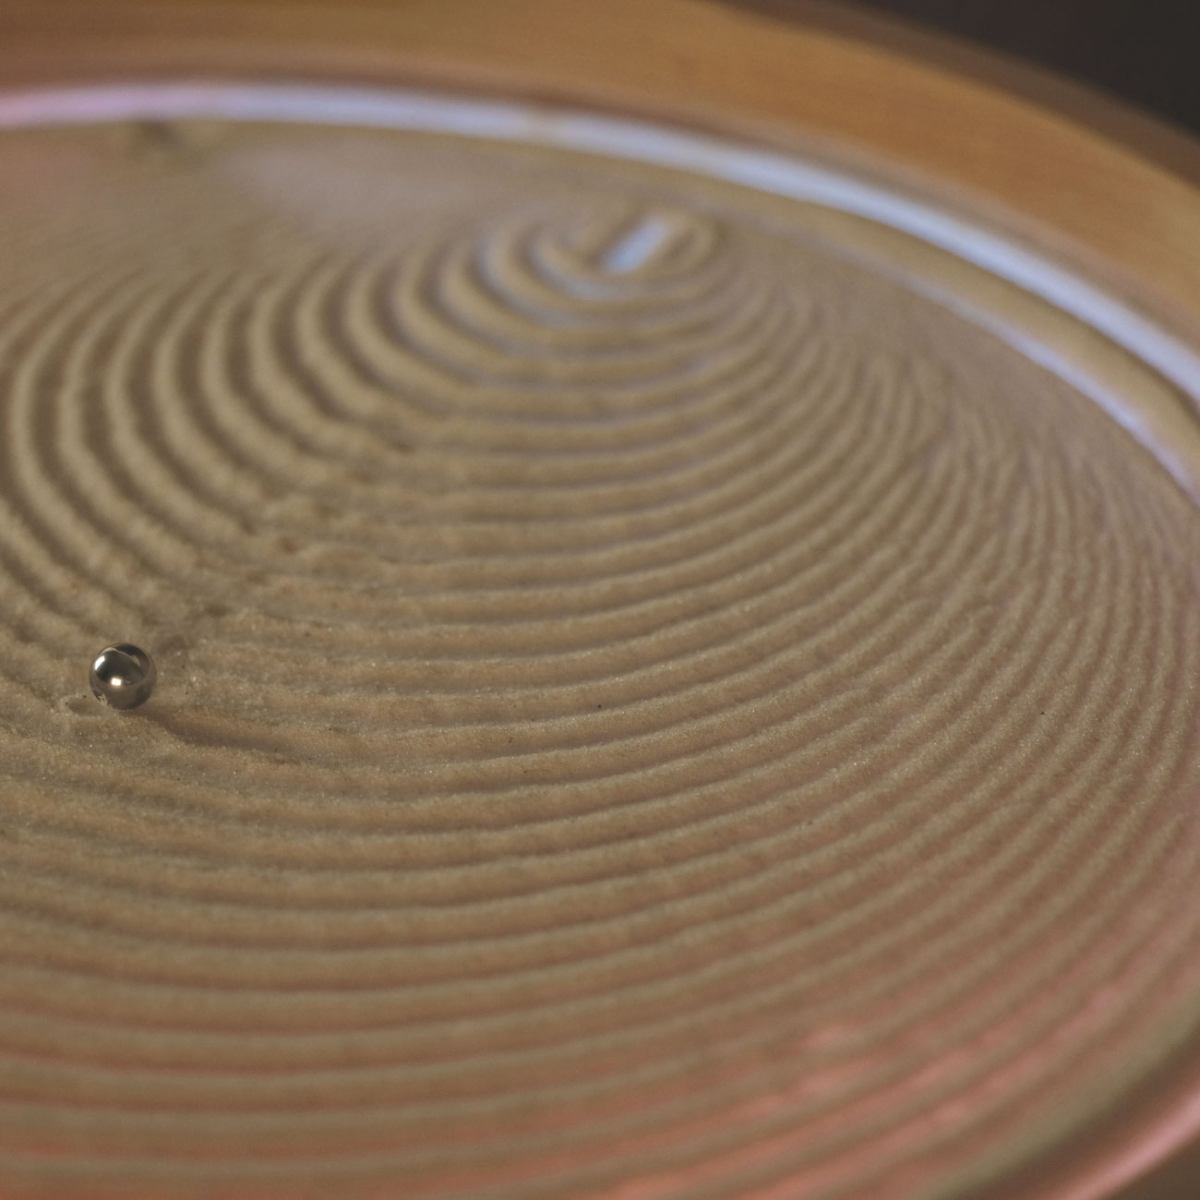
658,695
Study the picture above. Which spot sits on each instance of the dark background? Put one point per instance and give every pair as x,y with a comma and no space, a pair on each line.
1145,52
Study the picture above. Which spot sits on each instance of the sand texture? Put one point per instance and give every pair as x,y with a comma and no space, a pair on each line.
664,690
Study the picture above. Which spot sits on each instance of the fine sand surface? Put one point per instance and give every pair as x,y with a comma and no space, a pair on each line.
664,690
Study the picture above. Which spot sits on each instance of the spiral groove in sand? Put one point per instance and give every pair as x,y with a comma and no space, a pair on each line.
651,702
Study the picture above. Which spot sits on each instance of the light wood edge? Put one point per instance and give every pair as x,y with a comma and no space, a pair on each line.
1152,137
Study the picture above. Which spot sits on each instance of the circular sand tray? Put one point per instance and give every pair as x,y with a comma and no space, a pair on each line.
677,649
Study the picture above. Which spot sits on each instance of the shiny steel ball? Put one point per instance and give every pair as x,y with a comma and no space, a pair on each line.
123,676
